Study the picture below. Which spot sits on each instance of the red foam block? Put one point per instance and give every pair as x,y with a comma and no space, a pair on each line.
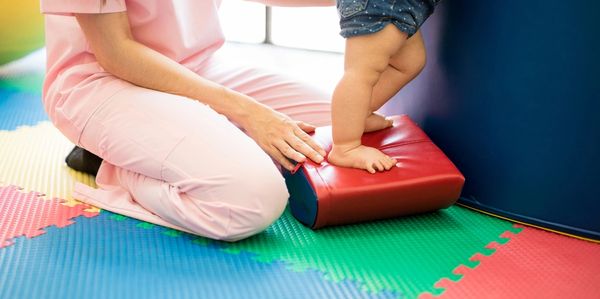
425,180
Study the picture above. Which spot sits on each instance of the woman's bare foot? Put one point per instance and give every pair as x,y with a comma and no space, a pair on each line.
376,121
361,157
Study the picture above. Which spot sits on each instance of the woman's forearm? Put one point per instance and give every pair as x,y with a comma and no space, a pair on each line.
296,3
118,53
140,65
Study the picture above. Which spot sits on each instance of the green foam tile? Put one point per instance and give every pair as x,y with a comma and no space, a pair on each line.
118,217
145,225
28,83
201,241
172,233
406,255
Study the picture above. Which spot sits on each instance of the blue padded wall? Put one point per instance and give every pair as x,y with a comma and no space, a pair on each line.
513,97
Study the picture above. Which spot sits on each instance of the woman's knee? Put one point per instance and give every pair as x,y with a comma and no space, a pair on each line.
253,198
265,195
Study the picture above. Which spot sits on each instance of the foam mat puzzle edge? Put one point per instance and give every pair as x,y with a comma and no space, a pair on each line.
219,245
32,157
408,285
473,262
28,213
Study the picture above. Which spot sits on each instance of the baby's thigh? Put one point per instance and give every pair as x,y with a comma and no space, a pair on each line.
374,50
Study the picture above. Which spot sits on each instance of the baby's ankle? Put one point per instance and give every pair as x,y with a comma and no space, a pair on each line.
345,146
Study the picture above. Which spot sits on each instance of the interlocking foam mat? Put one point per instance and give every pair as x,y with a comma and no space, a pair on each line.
534,264
52,246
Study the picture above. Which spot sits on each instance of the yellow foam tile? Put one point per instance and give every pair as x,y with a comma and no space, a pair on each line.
33,157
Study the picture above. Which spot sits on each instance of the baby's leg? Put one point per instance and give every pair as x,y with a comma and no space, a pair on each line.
366,58
403,67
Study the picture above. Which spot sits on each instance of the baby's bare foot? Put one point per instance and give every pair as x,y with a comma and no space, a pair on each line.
361,157
376,121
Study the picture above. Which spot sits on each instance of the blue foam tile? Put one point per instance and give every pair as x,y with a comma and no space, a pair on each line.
101,257
20,108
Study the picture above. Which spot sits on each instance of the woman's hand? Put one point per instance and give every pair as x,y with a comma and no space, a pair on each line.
281,137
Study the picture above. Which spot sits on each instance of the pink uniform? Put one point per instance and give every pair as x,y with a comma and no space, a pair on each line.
168,159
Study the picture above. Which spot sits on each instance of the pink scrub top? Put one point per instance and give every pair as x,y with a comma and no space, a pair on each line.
186,31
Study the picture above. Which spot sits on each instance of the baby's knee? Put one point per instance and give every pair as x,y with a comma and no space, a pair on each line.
410,65
366,74
367,70
417,64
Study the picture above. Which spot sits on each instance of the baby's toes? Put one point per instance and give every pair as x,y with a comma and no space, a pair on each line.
379,165
386,163
370,168
391,162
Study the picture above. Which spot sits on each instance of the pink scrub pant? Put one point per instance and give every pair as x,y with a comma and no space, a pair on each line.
176,162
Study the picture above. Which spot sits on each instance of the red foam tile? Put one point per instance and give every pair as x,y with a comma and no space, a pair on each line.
533,264
27,214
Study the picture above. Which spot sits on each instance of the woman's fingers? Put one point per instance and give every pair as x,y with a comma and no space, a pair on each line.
279,157
311,142
289,152
306,147
308,128
284,139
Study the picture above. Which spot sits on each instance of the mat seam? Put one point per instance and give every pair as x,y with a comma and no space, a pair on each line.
460,270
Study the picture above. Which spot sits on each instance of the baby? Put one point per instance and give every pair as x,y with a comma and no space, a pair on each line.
384,51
